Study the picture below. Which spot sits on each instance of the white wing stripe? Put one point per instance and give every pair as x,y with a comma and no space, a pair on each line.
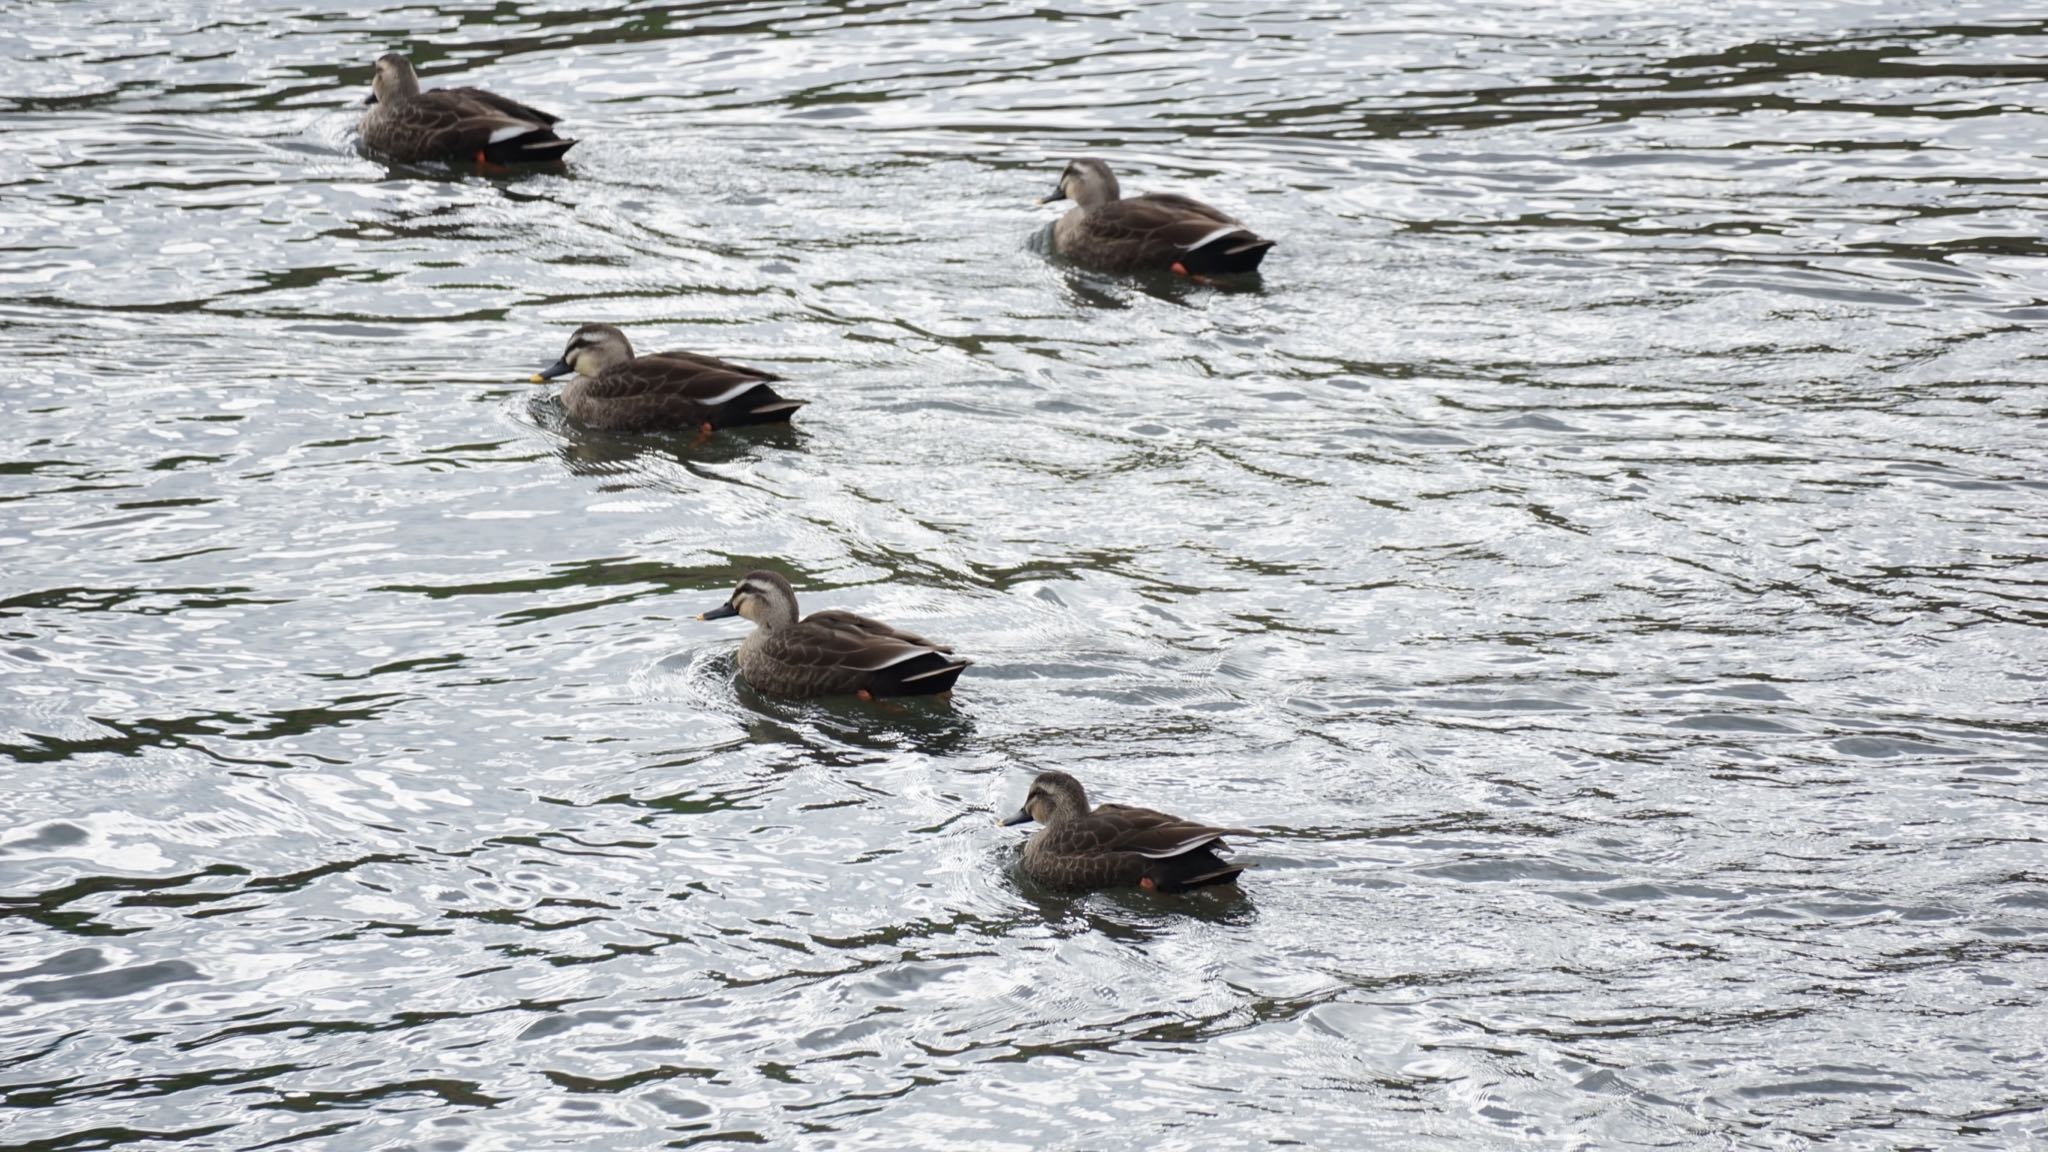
739,389
1182,848
1218,234
893,661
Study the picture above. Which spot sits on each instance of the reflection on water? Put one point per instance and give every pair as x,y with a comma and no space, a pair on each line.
1598,557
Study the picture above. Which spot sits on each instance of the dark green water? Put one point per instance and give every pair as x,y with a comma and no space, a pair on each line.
1604,558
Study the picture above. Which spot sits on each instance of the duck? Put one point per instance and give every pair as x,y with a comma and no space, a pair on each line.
616,391
1158,231
454,124
832,652
1116,846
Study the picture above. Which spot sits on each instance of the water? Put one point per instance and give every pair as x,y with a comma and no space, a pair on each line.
1602,558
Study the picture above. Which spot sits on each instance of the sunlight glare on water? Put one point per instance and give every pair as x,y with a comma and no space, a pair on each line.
1601,557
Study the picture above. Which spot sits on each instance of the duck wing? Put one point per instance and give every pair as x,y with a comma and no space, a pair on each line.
1185,207
851,640
1164,228
503,105
1158,218
1155,835
889,661
698,362
1116,845
684,390
453,124
833,652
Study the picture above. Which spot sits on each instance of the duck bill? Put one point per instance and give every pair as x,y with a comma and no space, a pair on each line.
558,368
1023,816
719,613
1059,193
370,99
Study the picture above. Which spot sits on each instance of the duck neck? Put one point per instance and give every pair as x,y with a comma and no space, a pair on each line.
395,84
1094,193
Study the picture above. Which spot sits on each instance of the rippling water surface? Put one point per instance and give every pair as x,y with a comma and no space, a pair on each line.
1603,558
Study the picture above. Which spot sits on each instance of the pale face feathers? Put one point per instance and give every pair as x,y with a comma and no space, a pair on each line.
596,347
1054,795
394,79
749,600
1087,182
763,597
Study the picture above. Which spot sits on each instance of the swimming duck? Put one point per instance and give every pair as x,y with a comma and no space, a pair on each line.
619,392
1159,231
1114,846
830,652
454,124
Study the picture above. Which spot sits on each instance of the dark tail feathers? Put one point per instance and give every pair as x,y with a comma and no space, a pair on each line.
540,146
925,675
1197,869
759,405
1230,254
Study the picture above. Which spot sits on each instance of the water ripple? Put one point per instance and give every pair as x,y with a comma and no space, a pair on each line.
1598,558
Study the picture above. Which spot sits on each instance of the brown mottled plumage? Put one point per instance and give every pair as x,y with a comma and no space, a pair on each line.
453,124
831,652
1159,231
620,392
1114,846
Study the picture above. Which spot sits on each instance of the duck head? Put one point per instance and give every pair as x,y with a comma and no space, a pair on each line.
763,596
1053,796
394,80
594,348
1086,182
